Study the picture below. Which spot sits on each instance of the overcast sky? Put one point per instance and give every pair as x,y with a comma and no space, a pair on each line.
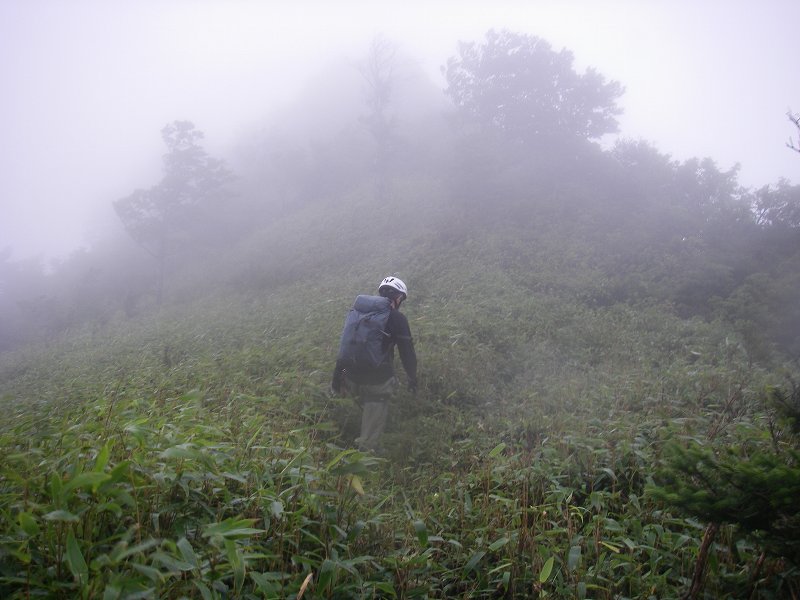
87,85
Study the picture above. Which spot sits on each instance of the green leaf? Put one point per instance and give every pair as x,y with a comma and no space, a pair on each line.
112,592
170,563
187,552
326,572
473,561
56,489
422,532
21,555
497,544
232,528
235,477
614,548
204,591
237,563
573,558
120,471
547,569
265,585
339,457
102,458
356,484
151,573
609,472
122,551
89,479
497,450
181,452
75,561
356,529
28,524
111,507
270,576
386,588
629,543
61,516
359,466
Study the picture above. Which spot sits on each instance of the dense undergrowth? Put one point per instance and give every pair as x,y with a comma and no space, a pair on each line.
194,451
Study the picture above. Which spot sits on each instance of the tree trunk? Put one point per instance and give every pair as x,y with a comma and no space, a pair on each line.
702,559
162,265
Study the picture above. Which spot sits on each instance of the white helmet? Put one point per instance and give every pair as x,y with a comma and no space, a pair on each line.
394,283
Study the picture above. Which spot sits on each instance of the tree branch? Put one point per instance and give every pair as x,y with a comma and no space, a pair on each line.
794,118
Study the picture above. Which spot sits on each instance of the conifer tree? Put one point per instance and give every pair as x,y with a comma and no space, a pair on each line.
752,486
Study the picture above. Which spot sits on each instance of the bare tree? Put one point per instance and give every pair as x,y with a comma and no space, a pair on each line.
378,71
794,118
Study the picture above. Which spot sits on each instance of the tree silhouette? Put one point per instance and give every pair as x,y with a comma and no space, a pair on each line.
378,72
167,216
518,84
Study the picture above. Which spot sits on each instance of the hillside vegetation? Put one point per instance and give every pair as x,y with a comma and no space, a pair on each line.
606,407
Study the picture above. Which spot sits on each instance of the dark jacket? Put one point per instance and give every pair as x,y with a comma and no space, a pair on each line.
399,334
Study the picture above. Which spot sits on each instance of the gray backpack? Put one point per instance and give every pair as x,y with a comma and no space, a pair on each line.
363,338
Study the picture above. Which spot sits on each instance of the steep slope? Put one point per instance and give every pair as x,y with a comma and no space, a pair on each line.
194,450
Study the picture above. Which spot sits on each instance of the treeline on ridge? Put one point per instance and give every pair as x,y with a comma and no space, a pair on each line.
508,154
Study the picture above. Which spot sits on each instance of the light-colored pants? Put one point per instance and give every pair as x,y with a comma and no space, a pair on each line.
374,403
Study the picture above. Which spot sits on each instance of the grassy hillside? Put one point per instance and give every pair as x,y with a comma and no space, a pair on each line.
194,451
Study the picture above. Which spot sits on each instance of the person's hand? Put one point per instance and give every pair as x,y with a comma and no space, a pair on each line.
335,390
412,386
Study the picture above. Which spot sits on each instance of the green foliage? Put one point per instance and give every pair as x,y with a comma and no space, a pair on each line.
169,216
755,489
161,217
787,405
519,85
575,312
778,207
629,226
196,455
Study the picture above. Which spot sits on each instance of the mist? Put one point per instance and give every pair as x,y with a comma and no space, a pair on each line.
592,206
89,85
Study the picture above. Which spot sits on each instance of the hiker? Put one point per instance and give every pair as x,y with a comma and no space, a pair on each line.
365,365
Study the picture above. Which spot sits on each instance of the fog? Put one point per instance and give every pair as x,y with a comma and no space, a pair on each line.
88,85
